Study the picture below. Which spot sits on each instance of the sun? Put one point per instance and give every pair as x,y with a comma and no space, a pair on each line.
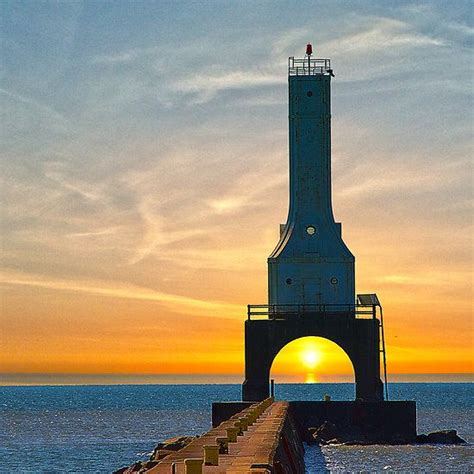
310,357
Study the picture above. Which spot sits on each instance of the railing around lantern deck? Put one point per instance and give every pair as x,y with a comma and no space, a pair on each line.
308,66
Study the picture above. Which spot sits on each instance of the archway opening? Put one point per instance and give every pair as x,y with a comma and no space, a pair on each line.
310,368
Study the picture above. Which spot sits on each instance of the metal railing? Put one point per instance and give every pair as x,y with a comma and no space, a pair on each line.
308,66
287,311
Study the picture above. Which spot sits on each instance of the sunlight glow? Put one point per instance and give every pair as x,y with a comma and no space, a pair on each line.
310,357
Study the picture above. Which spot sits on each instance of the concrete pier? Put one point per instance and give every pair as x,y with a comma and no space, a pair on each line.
260,439
267,437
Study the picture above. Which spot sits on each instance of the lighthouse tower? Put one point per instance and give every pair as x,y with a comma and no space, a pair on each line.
311,271
311,265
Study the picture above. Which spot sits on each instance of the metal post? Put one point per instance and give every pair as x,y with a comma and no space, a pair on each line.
272,387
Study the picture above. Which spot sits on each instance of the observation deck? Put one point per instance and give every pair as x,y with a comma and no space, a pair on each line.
309,66
290,311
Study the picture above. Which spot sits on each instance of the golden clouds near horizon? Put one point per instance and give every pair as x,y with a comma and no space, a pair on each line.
65,331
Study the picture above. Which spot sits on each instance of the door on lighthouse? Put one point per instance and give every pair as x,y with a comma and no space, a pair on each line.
311,291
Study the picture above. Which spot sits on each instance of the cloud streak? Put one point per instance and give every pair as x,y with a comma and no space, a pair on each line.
176,303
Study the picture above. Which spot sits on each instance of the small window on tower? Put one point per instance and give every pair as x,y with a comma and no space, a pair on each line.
310,230
309,93
289,281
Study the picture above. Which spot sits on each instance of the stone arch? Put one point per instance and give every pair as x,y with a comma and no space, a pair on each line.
359,338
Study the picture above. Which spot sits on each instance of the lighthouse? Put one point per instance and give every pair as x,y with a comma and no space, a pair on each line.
311,265
311,282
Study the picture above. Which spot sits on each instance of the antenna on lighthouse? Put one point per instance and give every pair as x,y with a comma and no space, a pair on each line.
309,52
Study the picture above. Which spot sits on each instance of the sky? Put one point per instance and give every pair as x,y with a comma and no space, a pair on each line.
145,175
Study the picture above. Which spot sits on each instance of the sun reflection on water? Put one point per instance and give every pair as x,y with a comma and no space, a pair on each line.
311,378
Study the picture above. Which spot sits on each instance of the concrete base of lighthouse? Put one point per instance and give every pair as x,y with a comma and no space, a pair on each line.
359,422
359,338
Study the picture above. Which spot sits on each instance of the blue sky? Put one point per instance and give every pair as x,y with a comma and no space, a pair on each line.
145,151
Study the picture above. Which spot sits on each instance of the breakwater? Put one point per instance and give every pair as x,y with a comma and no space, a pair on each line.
261,438
267,437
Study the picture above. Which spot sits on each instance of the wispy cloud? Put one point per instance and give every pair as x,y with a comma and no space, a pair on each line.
158,234
380,34
289,41
46,109
176,303
127,56
21,113
54,172
209,85
444,279
246,191
409,174
96,233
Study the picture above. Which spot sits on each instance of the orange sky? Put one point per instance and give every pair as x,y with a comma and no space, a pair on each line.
95,327
144,189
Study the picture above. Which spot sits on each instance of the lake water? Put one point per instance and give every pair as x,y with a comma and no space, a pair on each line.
101,428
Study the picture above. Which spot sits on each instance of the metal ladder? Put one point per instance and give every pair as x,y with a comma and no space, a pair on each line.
382,350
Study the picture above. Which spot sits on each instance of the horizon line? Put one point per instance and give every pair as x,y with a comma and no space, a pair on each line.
76,379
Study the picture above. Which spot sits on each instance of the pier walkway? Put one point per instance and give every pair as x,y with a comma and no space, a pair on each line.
248,442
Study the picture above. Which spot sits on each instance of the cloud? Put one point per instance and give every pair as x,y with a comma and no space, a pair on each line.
157,235
379,34
127,56
38,105
374,47
173,234
54,172
246,191
444,279
23,114
397,170
289,41
207,85
176,303
97,233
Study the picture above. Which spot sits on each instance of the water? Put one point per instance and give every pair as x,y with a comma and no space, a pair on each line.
101,428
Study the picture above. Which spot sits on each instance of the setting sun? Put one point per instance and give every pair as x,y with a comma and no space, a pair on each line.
310,357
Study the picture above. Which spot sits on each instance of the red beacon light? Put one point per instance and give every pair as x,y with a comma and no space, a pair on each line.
309,49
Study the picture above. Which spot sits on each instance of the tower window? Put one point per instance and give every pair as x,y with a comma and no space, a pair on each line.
334,281
311,230
289,281
309,94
